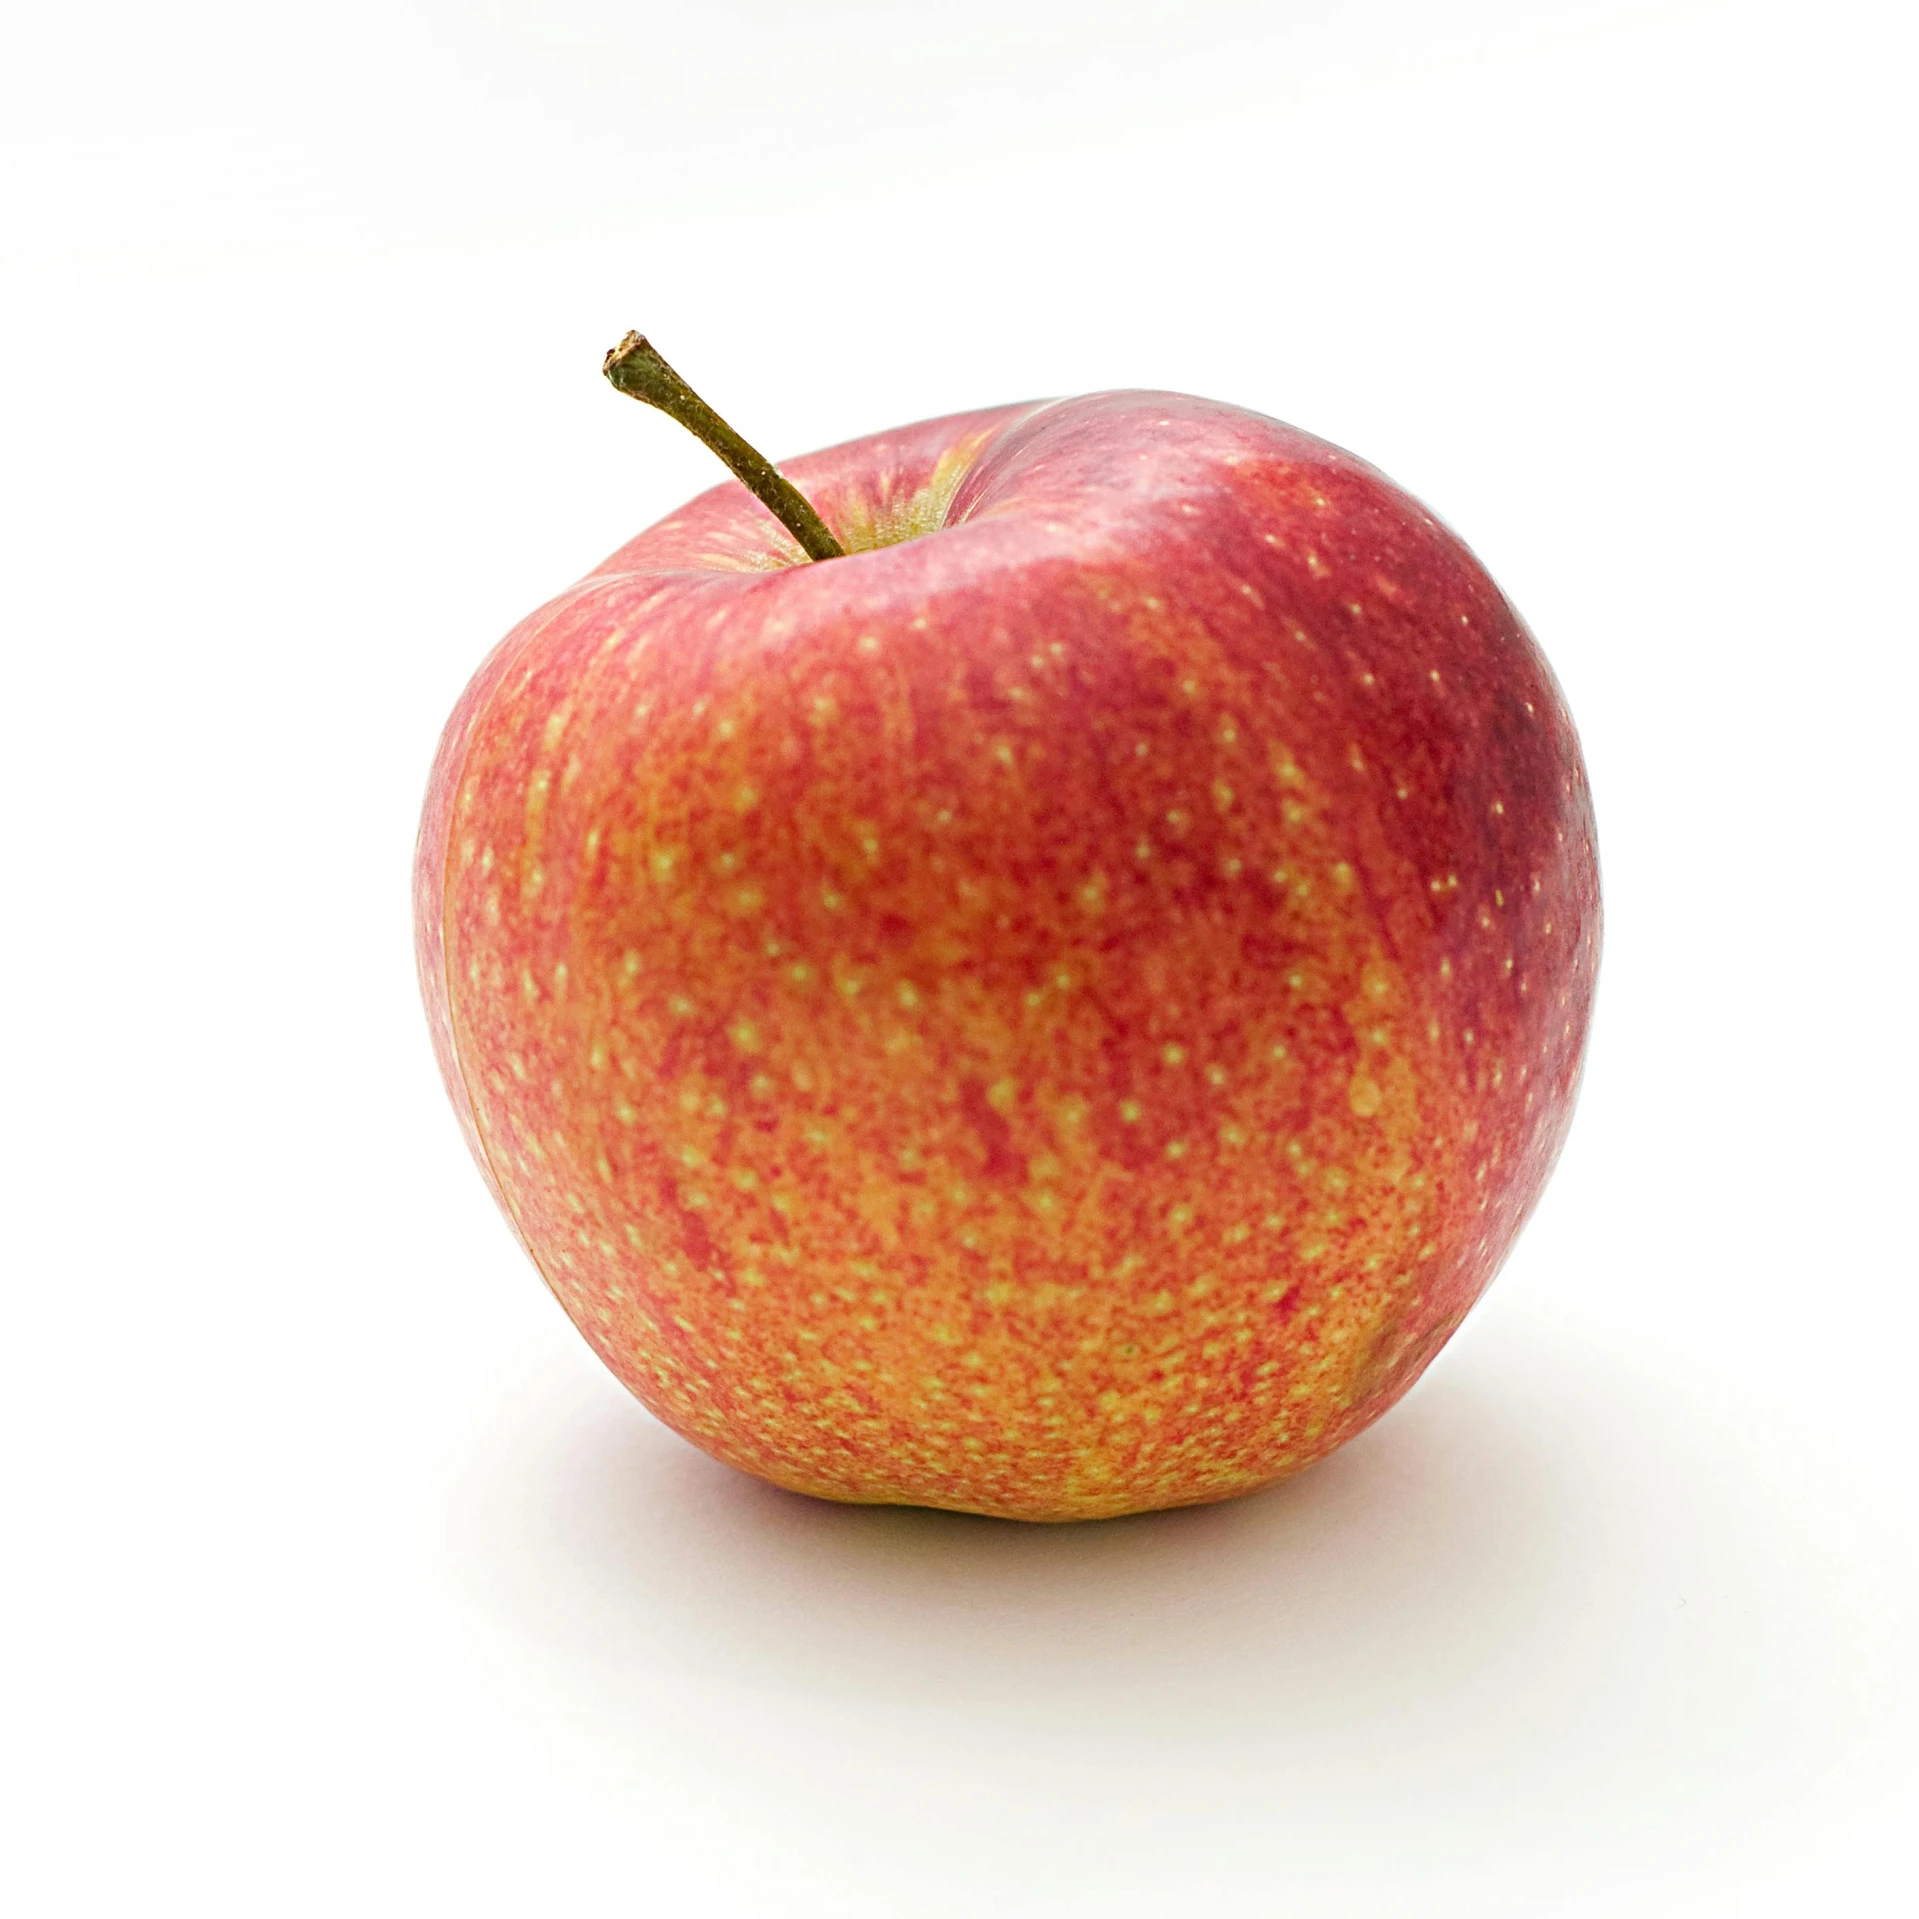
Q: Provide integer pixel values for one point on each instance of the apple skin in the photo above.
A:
(1057, 1013)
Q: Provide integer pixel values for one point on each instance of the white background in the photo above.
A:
(342, 1579)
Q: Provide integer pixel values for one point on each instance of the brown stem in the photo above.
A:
(636, 368)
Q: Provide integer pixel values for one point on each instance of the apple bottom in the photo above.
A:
(889, 1270)
(1168, 1461)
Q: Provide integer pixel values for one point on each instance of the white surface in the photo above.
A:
(343, 1580)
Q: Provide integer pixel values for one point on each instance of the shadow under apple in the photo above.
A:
(1431, 1555)
(1539, 1593)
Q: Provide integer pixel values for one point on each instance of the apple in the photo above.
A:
(1055, 1012)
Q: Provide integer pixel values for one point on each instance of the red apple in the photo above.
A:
(1056, 1013)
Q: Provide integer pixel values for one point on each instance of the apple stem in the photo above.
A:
(636, 368)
